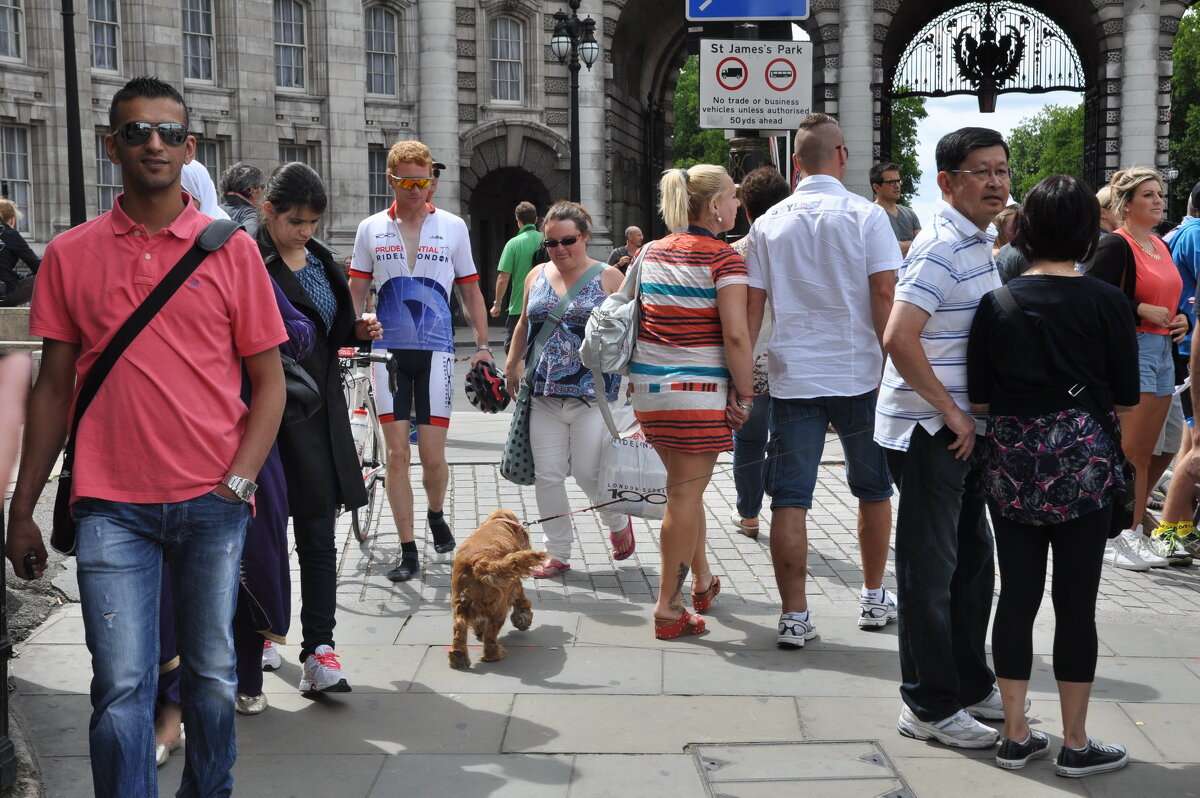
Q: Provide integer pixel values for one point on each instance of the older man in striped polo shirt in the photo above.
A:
(944, 569)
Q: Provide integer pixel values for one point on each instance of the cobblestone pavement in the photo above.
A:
(1166, 597)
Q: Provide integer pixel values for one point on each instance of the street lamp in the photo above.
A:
(574, 40)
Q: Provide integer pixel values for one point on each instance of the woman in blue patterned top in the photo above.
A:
(566, 430)
(319, 459)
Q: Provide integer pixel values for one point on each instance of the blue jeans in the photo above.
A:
(121, 548)
(798, 439)
(944, 576)
(749, 463)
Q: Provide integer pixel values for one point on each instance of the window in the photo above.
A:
(14, 170)
(504, 53)
(380, 29)
(108, 178)
(197, 39)
(10, 28)
(379, 196)
(102, 31)
(294, 152)
(289, 44)
(209, 154)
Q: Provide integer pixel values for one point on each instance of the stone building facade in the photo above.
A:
(335, 82)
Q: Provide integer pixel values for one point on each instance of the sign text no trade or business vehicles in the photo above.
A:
(754, 85)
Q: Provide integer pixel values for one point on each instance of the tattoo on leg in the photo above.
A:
(676, 602)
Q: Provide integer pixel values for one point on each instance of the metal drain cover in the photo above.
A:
(831, 769)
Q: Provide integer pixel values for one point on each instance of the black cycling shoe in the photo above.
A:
(405, 570)
(443, 538)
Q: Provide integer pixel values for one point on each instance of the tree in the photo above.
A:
(1185, 111)
(906, 113)
(1049, 143)
(693, 145)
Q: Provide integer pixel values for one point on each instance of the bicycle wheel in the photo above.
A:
(363, 519)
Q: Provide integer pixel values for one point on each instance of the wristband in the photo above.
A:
(749, 396)
(484, 348)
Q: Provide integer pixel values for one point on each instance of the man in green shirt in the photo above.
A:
(515, 262)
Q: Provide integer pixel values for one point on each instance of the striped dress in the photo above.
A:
(678, 374)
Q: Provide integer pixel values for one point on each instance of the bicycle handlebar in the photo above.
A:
(360, 357)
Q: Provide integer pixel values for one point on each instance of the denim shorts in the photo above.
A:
(1156, 365)
(798, 429)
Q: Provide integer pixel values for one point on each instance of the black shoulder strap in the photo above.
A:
(1079, 392)
(212, 238)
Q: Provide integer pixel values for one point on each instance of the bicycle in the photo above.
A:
(358, 384)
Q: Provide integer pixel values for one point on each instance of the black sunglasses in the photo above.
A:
(172, 134)
(566, 242)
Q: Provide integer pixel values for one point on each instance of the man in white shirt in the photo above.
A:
(944, 569)
(827, 259)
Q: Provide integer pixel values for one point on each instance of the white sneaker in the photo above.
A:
(992, 707)
(271, 660)
(1118, 554)
(323, 673)
(1139, 544)
(875, 616)
(959, 730)
(251, 704)
(793, 631)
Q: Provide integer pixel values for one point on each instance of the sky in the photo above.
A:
(950, 113)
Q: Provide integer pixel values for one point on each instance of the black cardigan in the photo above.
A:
(318, 454)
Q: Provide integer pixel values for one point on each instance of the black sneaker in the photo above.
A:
(1096, 758)
(1014, 755)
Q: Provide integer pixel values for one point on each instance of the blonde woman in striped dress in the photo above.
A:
(691, 373)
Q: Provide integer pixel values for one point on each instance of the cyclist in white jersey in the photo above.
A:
(414, 254)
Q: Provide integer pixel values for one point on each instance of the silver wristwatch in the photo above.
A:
(243, 487)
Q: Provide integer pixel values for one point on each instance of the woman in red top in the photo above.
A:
(1139, 263)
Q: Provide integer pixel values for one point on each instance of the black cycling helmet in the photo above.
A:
(485, 387)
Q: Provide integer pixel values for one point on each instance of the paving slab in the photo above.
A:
(350, 723)
(510, 776)
(371, 669)
(434, 628)
(980, 778)
(1129, 640)
(809, 671)
(644, 724)
(45, 668)
(1172, 779)
(634, 776)
(1172, 731)
(856, 717)
(541, 670)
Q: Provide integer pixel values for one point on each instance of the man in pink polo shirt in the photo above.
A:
(166, 454)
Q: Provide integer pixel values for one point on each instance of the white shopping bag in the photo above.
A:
(631, 471)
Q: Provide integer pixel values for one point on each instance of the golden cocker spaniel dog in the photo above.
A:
(487, 581)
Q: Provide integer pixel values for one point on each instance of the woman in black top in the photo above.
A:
(14, 289)
(319, 460)
(1051, 469)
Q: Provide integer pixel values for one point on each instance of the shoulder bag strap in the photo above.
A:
(555, 317)
(212, 238)
(1084, 398)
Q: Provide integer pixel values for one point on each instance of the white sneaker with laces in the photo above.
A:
(271, 660)
(323, 673)
(1118, 554)
(793, 632)
(876, 616)
(1139, 544)
(992, 707)
(960, 730)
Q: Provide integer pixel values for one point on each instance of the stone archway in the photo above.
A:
(1125, 53)
(492, 202)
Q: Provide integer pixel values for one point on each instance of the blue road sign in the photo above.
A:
(745, 10)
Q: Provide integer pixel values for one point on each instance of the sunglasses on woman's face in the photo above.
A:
(551, 243)
(173, 134)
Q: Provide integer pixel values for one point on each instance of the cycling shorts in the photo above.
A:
(424, 382)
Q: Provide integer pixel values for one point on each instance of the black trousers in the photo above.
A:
(1078, 547)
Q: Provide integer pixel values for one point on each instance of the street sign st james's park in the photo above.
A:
(745, 10)
(754, 85)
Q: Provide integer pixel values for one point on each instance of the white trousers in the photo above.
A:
(567, 436)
